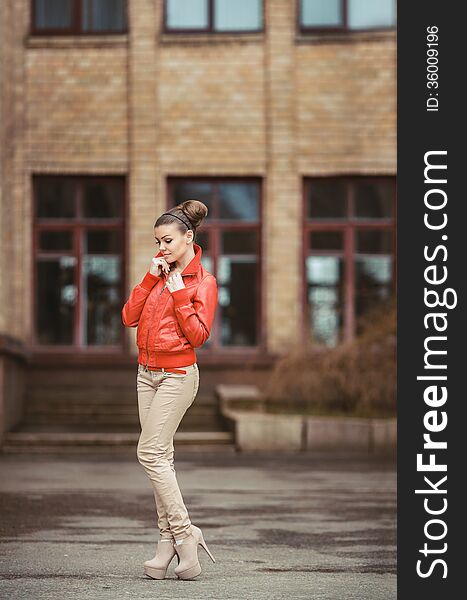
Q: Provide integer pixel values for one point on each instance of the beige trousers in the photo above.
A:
(163, 399)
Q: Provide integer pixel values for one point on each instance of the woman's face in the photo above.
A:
(171, 242)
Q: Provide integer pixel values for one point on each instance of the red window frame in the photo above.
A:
(75, 28)
(348, 225)
(212, 226)
(344, 27)
(75, 225)
(210, 26)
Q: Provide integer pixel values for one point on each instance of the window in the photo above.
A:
(337, 15)
(213, 15)
(79, 16)
(78, 249)
(349, 252)
(230, 238)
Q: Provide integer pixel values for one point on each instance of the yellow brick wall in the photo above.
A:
(152, 105)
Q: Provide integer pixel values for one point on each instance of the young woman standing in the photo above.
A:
(173, 308)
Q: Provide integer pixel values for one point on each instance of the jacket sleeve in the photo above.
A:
(196, 318)
(131, 311)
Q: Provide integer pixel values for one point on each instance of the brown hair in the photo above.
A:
(191, 213)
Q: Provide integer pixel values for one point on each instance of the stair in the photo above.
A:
(117, 408)
(96, 409)
(105, 441)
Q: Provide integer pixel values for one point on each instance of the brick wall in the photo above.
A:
(151, 105)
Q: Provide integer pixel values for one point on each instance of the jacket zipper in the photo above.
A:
(150, 323)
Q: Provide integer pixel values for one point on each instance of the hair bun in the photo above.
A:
(195, 211)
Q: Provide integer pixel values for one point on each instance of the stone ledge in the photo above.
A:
(254, 429)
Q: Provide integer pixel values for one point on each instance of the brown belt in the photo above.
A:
(169, 370)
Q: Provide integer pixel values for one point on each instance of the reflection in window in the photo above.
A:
(230, 239)
(187, 14)
(103, 15)
(56, 296)
(54, 14)
(241, 14)
(322, 13)
(325, 297)
(186, 190)
(97, 16)
(102, 275)
(238, 201)
(367, 14)
(98, 236)
(349, 252)
(373, 275)
(214, 15)
(351, 14)
(237, 281)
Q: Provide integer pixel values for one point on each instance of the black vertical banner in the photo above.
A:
(432, 260)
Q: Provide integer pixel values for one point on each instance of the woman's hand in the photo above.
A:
(175, 282)
(157, 264)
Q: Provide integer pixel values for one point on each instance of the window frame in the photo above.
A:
(213, 228)
(77, 349)
(75, 29)
(343, 28)
(210, 26)
(348, 226)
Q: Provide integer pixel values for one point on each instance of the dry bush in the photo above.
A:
(357, 377)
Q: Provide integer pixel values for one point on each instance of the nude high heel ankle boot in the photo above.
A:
(156, 568)
(187, 549)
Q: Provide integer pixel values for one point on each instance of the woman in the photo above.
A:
(173, 308)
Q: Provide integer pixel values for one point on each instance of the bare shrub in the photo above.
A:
(357, 377)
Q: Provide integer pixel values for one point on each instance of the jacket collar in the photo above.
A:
(193, 266)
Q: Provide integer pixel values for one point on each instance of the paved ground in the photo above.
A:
(297, 526)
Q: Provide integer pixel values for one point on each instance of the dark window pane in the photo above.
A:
(55, 199)
(237, 285)
(325, 279)
(327, 200)
(103, 199)
(327, 240)
(103, 15)
(53, 14)
(55, 240)
(374, 200)
(192, 190)
(56, 297)
(241, 14)
(239, 201)
(103, 242)
(373, 282)
(102, 276)
(321, 13)
(202, 239)
(372, 241)
(239, 242)
(365, 14)
(187, 14)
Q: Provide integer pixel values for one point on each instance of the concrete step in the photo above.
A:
(55, 407)
(53, 441)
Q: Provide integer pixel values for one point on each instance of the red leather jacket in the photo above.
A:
(172, 324)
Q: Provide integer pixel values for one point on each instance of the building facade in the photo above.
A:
(280, 115)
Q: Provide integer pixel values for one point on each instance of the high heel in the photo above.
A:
(156, 568)
(187, 549)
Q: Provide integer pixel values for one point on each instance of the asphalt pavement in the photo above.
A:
(281, 526)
